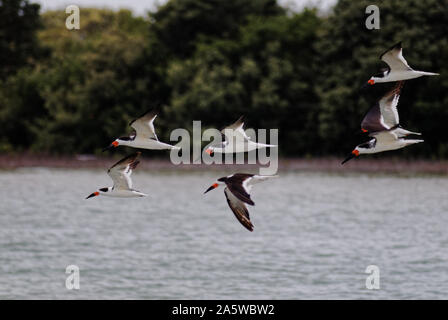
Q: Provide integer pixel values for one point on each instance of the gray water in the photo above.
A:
(314, 236)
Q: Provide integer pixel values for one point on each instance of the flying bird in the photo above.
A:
(235, 140)
(237, 190)
(382, 124)
(398, 68)
(121, 176)
(144, 136)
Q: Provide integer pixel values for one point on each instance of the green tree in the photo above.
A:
(179, 24)
(19, 23)
(178, 29)
(91, 85)
(266, 73)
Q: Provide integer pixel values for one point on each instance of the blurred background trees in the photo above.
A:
(71, 92)
(19, 23)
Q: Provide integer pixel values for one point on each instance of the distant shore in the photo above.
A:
(365, 164)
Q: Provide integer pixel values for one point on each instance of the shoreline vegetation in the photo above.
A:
(328, 164)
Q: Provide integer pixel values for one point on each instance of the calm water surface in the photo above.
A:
(314, 236)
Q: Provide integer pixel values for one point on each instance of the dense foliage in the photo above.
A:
(73, 91)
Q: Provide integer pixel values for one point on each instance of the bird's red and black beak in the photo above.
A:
(111, 146)
(371, 82)
(96, 193)
(353, 154)
(213, 186)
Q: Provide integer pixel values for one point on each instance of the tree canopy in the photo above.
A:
(19, 22)
(214, 60)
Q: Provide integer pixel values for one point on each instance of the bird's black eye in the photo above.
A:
(104, 189)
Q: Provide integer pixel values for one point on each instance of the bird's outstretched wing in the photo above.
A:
(238, 124)
(239, 209)
(122, 170)
(388, 105)
(384, 114)
(236, 131)
(373, 121)
(238, 185)
(144, 125)
(394, 58)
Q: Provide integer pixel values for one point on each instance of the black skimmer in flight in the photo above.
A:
(235, 140)
(382, 124)
(121, 176)
(144, 136)
(398, 68)
(237, 192)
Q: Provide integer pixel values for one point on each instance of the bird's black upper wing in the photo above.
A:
(236, 185)
(239, 209)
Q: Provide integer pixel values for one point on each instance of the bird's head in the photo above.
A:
(210, 151)
(213, 186)
(370, 82)
(217, 146)
(94, 194)
(355, 153)
(97, 193)
(114, 144)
